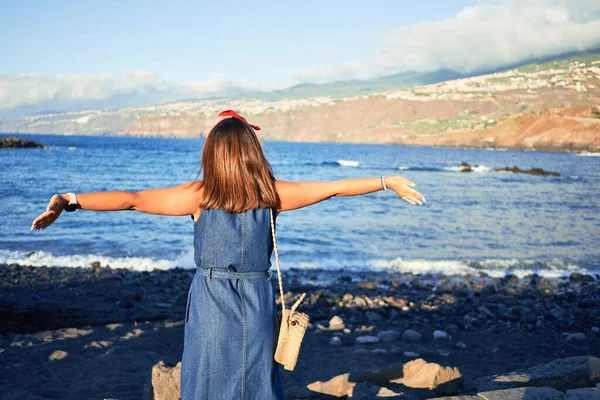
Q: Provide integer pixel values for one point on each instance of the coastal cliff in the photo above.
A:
(552, 106)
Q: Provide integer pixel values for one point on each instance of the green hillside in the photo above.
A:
(349, 88)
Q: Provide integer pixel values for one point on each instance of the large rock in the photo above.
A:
(416, 377)
(164, 384)
(525, 393)
(583, 394)
(338, 386)
(531, 171)
(18, 143)
(561, 374)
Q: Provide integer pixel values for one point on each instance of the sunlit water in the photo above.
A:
(486, 220)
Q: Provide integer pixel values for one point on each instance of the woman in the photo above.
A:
(231, 318)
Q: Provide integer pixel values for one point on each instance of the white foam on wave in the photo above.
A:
(481, 168)
(42, 258)
(475, 168)
(496, 268)
(72, 147)
(348, 163)
(588, 154)
(403, 167)
(453, 169)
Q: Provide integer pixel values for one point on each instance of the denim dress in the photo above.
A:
(231, 322)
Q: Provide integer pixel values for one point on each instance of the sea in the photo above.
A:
(484, 221)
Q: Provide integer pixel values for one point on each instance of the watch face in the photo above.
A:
(70, 207)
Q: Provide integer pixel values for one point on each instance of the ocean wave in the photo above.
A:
(42, 258)
(348, 163)
(496, 268)
(588, 154)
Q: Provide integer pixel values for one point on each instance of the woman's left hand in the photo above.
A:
(403, 188)
(55, 208)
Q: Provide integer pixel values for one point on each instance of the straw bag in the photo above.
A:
(292, 323)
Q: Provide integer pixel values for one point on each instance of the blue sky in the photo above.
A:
(186, 40)
(69, 55)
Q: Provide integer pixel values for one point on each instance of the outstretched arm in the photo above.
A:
(294, 195)
(176, 200)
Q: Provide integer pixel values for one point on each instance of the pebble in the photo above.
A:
(388, 336)
(440, 335)
(460, 345)
(373, 316)
(360, 302)
(595, 329)
(379, 351)
(412, 354)
(335, 341)
(336, 323)
(410, 335)
(347, 331)
(368, 339)
(361, 351)
(576, 336)
(58, 355)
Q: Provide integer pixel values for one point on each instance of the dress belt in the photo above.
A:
(220, 273)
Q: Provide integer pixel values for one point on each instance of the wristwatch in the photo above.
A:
(73, 204)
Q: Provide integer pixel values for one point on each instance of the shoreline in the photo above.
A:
(96, 331)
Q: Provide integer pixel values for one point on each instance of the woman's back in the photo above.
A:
(239, 242)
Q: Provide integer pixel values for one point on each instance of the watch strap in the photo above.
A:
(73, 204)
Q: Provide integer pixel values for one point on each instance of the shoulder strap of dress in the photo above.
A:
(277, 259)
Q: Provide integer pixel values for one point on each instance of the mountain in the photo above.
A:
(549, 105)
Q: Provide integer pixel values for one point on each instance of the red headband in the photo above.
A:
(233, 114)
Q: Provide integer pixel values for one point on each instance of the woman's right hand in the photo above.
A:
(55, 208)
(403, 188)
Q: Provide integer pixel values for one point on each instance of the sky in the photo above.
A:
(60, 55)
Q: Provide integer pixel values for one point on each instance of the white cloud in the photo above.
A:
(27, 90)
(483, 36)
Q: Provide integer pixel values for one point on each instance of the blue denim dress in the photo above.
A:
(231, 322)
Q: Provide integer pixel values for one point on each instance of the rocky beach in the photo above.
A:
(97, 332)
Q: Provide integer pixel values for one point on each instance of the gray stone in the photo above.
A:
(583, 394)
(361, 352)
(576, 336)
(440, 335)
(367, 339)
(412, 354)
(410, 335)
(335, 341)
(373, 316)
(388, 336)
(379, 351)
(562, 374)
(523, 393)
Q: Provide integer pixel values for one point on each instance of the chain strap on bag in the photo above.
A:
(293, 323)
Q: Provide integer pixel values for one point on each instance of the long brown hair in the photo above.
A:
(236, 174)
